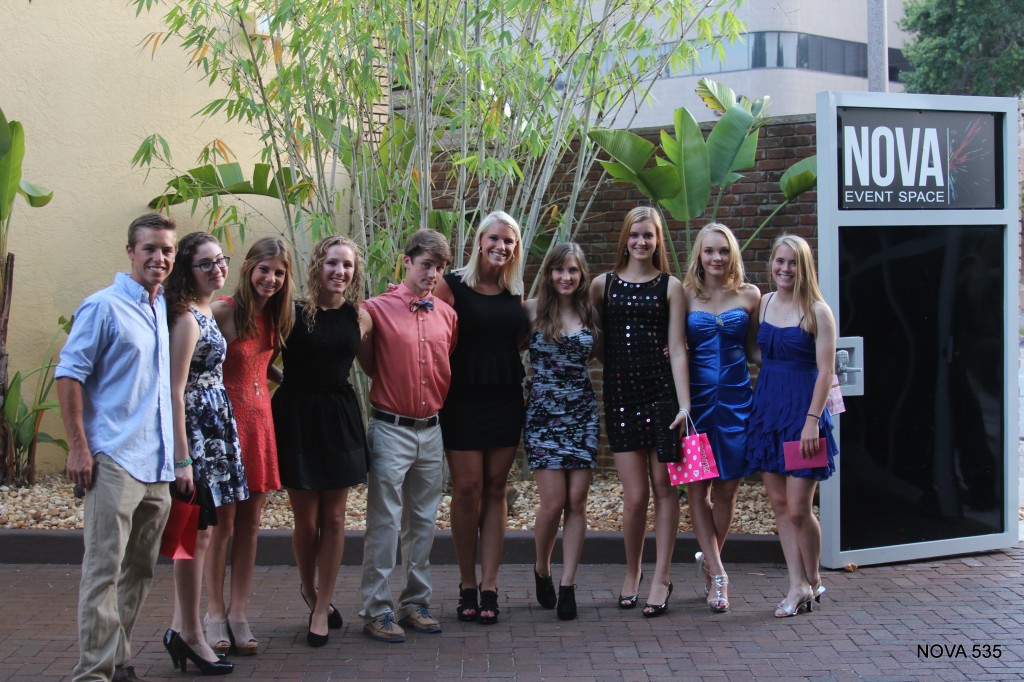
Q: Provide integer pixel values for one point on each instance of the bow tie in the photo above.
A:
(417, 303)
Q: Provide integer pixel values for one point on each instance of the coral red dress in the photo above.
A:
(245, 377)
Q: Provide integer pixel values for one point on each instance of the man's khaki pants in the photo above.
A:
(124, 520)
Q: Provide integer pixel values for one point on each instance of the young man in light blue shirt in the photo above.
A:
(113, 382)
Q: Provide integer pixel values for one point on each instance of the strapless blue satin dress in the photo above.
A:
(720, 394)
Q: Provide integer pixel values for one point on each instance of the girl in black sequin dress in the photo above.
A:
(561, 418)
(643, 311)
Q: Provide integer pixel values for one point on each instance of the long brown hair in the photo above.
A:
(549, 322)
(805, 290)
(638, 214)
(278, 308)
(736, 277)
(314, 287)
(180, 285)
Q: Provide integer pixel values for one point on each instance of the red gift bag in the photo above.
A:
(697, 462)
(179, 538)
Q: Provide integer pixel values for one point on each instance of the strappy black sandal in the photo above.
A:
(488, 602)
(467, 609)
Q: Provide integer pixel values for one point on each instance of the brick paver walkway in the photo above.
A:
(870, 626)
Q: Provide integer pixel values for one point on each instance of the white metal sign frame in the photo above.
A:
(830, 218)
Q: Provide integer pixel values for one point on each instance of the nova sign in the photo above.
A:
(912, 159)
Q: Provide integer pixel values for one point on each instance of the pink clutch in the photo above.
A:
(795, 460)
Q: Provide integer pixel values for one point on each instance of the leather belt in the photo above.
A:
(399, 420)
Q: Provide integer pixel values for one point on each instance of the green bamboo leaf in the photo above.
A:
(632, 151)
(800, 177)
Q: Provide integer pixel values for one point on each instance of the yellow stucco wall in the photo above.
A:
(74, 76)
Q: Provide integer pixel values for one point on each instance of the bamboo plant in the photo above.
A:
(392, 115)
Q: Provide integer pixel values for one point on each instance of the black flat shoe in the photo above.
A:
(334, 620)
(169, 636)
(314, 639)
(546, 596)
(655, 610)
(566, 602)
(467, 609)
(185, 654)
(630, 601)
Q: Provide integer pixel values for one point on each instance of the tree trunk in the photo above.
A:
(7, 464)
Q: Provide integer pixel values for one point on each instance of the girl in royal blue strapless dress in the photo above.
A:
(797, 338)
(720, 306)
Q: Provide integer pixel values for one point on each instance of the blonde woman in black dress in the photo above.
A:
(482, 417)
(643, 311)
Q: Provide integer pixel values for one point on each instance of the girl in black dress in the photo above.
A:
(482, 418)
(321, 441)
(643, 311)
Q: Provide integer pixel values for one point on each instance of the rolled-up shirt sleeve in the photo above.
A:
(85, 343)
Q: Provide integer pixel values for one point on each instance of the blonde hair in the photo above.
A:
(510, 277)
(736, 276)
(805, 290)
(278, 308)
(549, 322)
(639, 214)
(314, 287)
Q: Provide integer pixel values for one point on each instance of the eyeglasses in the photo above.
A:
(208, 266)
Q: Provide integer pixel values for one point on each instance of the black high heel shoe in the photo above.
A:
(185, 654)
(169, 636)
(546, 596)
(566, 602)
(654, 610)
(314, 639)
(489, 603)
(631, 601)
(334, 620)
(467, 608)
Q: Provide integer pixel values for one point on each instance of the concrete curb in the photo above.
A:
(65, 547)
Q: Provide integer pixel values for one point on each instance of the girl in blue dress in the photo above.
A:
(797, 340)
(561, 418)
(720, 306)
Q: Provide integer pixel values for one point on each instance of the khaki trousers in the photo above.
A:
(124, 520)
(403, 491)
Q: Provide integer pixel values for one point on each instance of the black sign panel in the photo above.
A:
(908, 159)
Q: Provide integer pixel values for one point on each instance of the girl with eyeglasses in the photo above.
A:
(205, 434)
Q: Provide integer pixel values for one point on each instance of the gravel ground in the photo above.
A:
(50, 504)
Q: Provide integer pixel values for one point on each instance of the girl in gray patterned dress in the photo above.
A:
(207, 457)
(561, 418)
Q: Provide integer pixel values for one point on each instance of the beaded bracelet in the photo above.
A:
(183, 463)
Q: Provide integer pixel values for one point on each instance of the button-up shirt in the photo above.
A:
(118, 350)
(411, 346)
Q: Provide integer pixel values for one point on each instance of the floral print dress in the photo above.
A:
(209, 421)
(561, 413)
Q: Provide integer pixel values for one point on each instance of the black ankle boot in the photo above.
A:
(566, 609)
